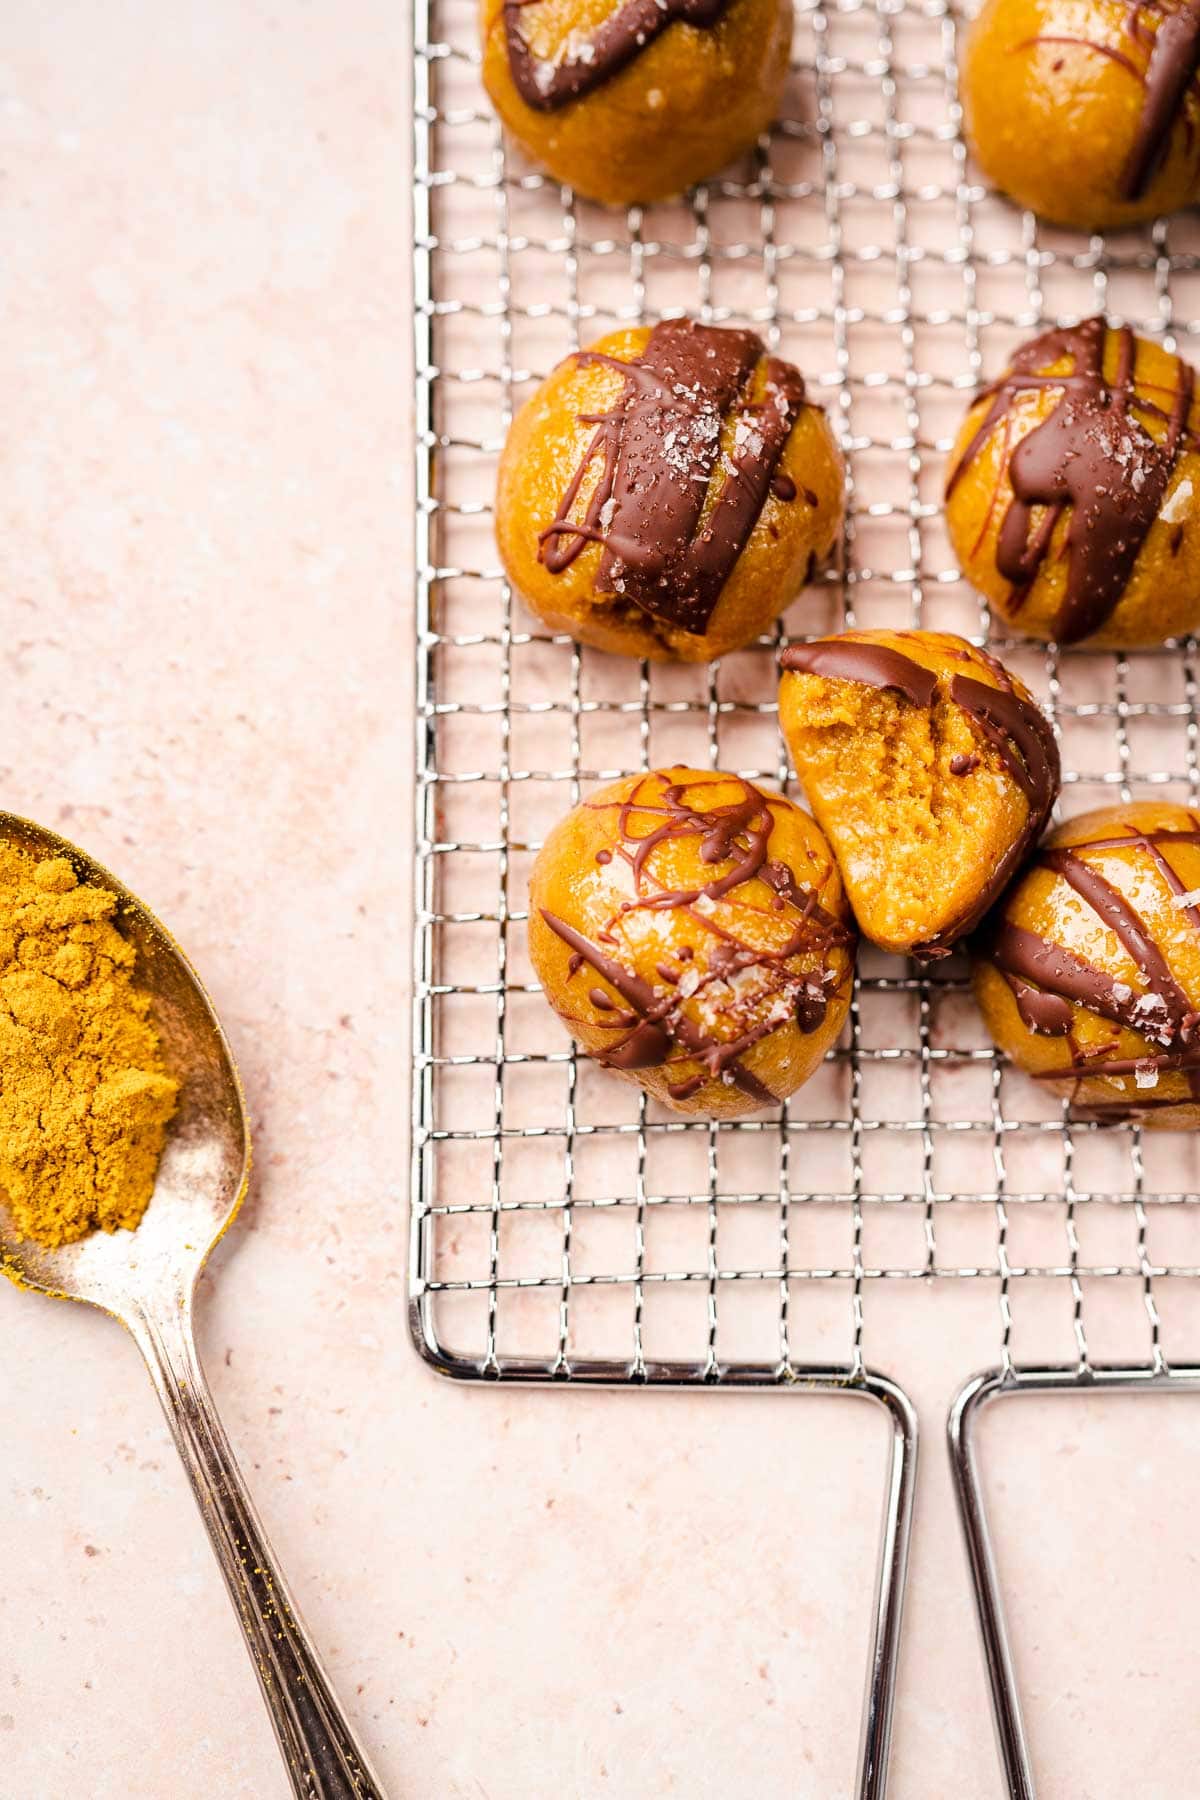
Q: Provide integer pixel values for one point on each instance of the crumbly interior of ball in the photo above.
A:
(916, 807)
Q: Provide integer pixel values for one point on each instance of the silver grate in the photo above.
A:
(566, 1215)
(563, 1227)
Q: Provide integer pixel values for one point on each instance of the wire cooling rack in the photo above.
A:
(565, 1229)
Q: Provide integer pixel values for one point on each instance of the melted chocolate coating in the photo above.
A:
(873, 665)
(1020, 734)
(1049, 982)
(1041, 1012)
(1093, 455)
(656, 1024)
(1024, 739)
(659, 448)
(1017, 730)
(613, 45)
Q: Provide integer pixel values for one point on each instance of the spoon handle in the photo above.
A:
(323, 1761)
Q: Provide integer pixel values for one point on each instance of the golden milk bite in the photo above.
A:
(1088, 974)
(1073, 492)
(634, 100)
(1087, 111)
(84, 1096)
(929, 767)
(667, 492)
(690, 930)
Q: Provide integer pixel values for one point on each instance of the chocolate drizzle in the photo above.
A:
(613, 45)
(1171, 70)
(1049, 982)
(1055, 981)
(1093, 455)
(667, 549)
(1015, 728)
(659, 1024)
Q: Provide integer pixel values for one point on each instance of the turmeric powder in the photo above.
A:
(84, 1096)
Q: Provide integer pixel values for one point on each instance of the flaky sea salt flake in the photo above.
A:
(1179, 505)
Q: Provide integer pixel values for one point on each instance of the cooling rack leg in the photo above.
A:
(891, 1579)
(1006, 1703)
(1157, 1378)
(879, 1704)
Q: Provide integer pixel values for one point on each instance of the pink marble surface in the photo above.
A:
(207, 632)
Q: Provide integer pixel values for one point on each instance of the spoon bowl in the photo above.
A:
(146, 1279)
(205, 1166)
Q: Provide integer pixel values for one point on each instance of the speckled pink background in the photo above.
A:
(207, 644)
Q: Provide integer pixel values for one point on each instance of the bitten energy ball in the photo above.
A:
(690, 930)
(1087, 111)
(632, 100)
(1073, 497)
(930, 769)
(1089, 974)
(667, 493)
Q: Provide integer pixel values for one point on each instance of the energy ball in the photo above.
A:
(634, 100)
(690, 930)
(1087, 111)
(667, 492)
(929, 767)
(1073, 498)
(1088, 975)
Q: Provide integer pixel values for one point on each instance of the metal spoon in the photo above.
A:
(146, 1279)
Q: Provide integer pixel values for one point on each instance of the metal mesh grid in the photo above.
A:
(563, 1224)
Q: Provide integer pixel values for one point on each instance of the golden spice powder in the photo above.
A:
(84, 1096)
